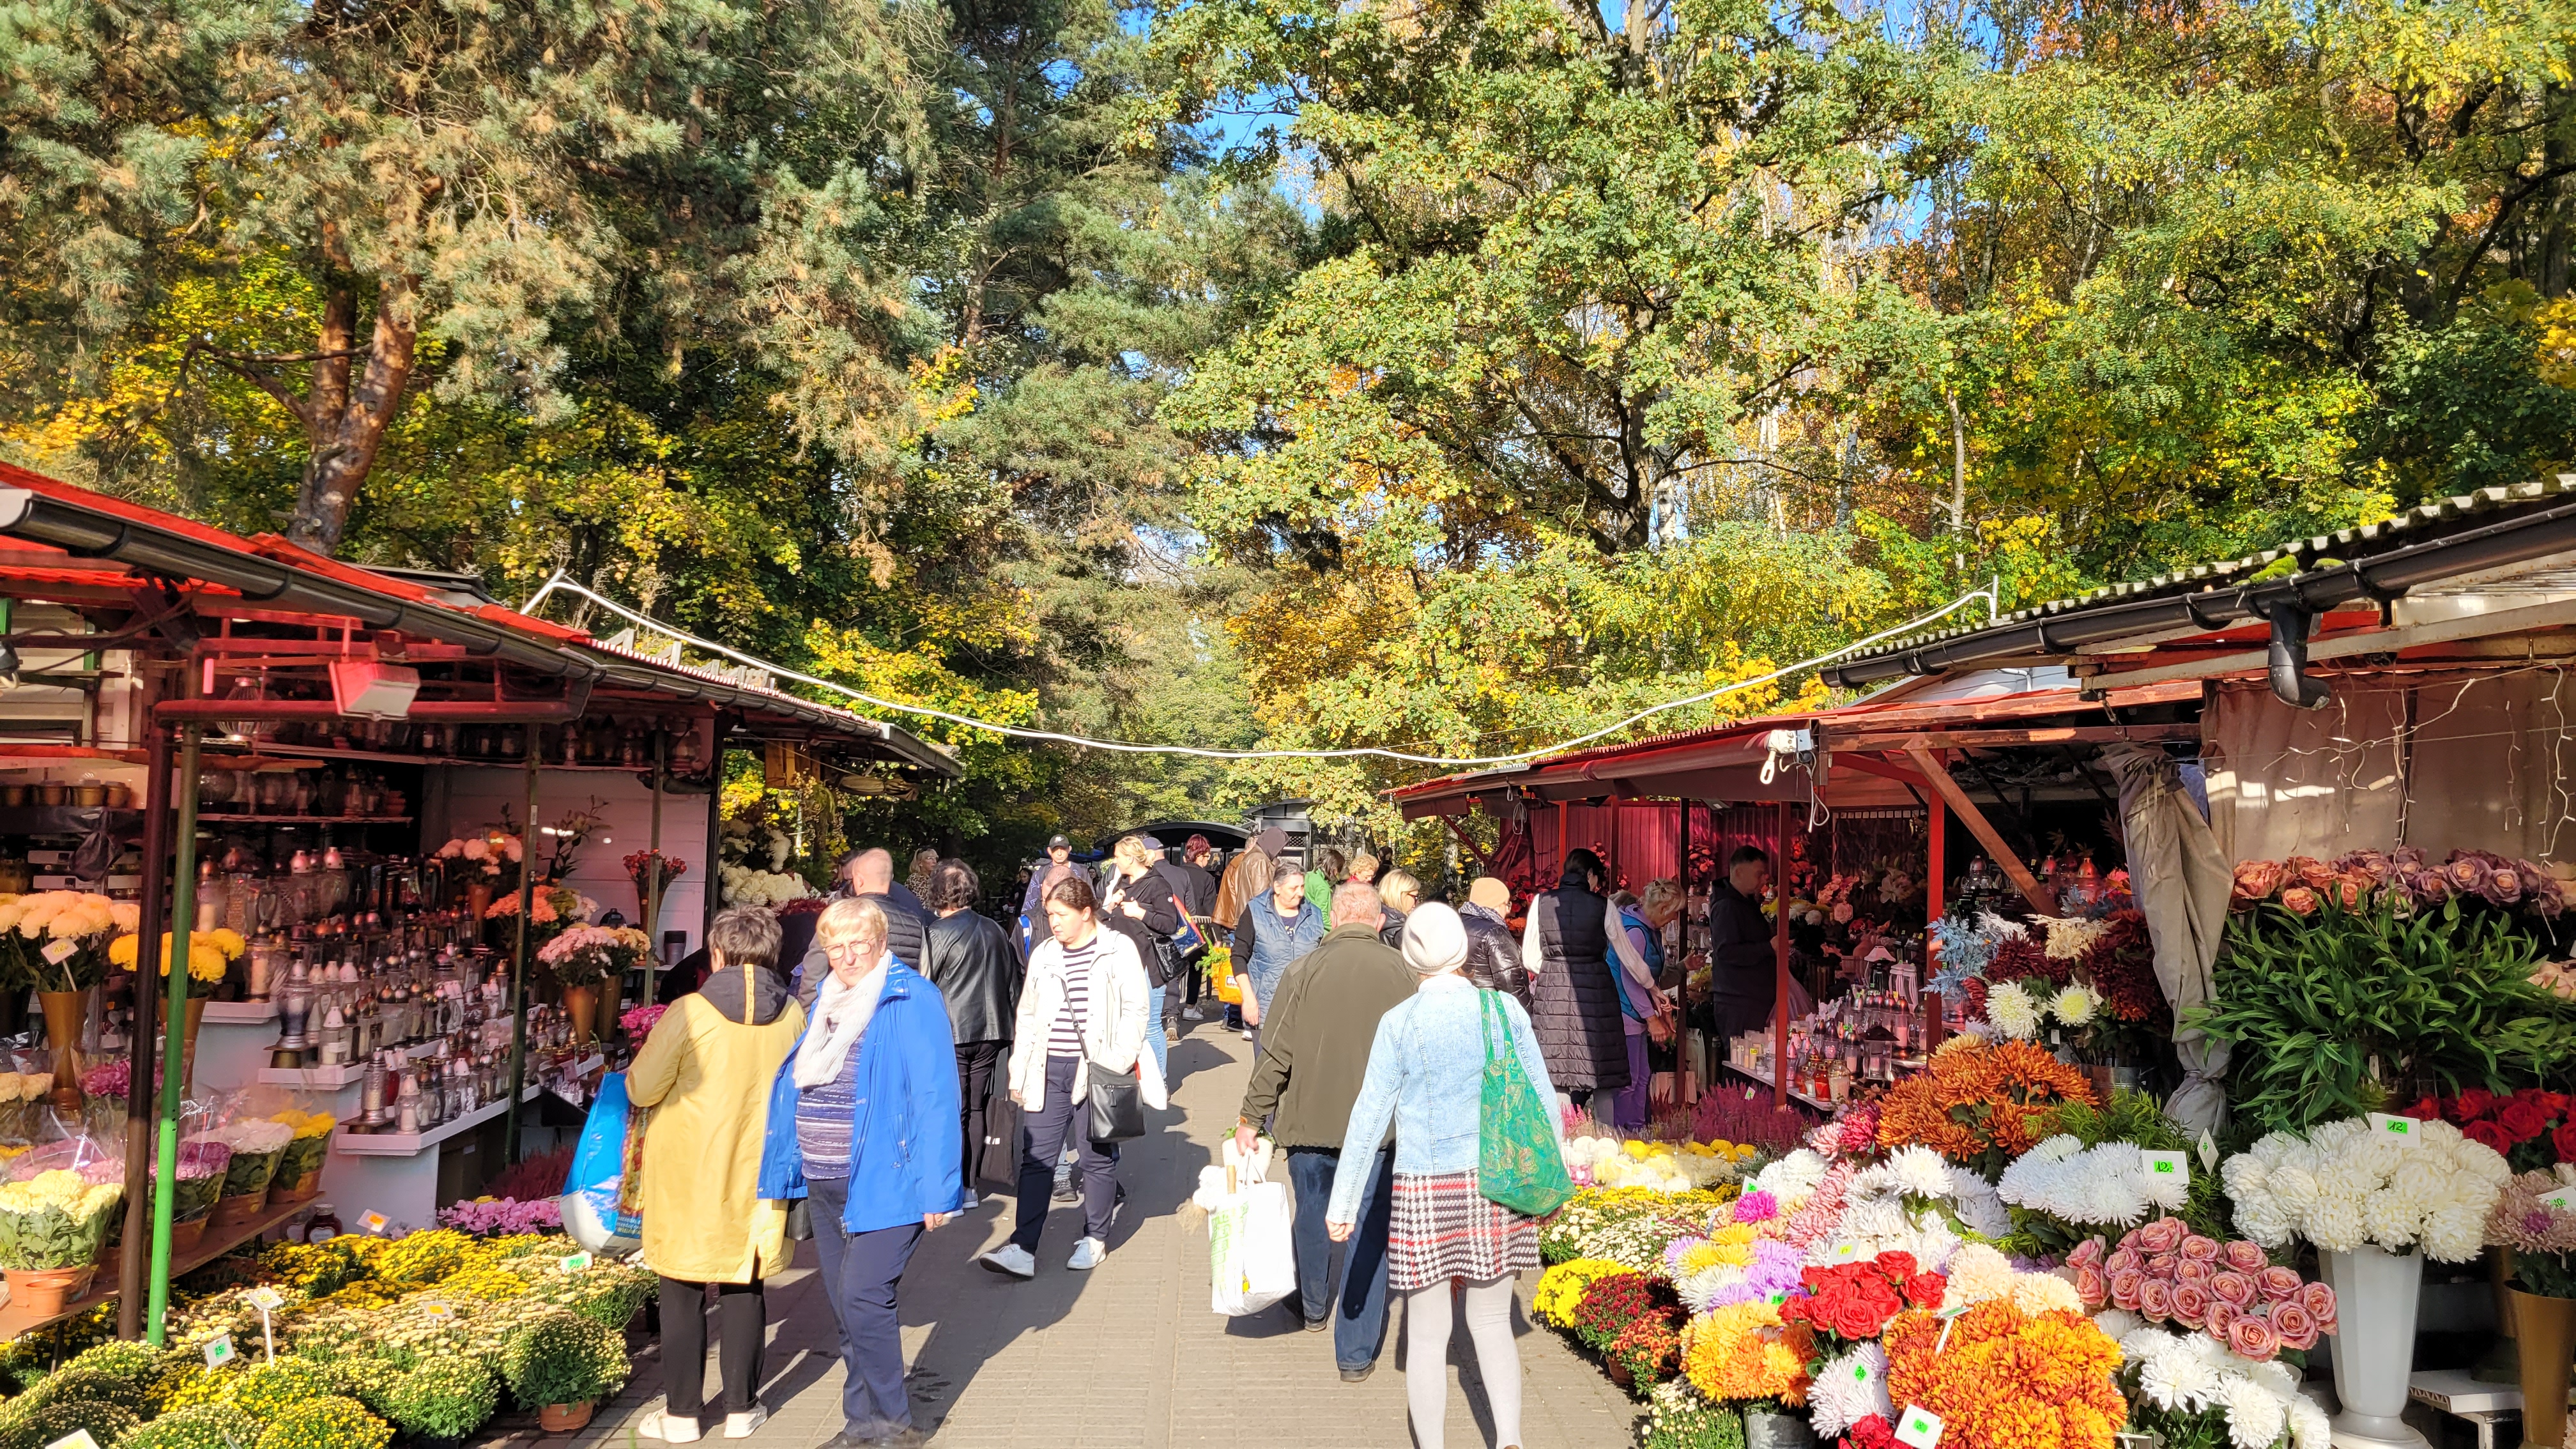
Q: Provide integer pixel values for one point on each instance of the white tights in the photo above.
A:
(1426, 1358)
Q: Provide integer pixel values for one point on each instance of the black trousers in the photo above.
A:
(975, 1063)
(1044, 1134)
(744, 1323)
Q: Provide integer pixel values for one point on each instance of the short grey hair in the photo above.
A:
(1357, 904)
(1283, 873)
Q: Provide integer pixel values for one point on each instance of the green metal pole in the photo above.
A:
(653, 878)
(519, 966)
(174, 1030)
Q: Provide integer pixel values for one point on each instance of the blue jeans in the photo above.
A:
(859, 1272)
(1154, 1031)
(1361, 1323)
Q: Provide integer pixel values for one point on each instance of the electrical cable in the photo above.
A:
(558, 581)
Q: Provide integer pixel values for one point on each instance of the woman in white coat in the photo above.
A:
(1084, 1005)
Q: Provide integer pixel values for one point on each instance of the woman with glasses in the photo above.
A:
(868, 1104)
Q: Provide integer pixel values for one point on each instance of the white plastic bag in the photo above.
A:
(1252, 1258)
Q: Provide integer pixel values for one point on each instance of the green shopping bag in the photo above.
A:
(1518, 1163)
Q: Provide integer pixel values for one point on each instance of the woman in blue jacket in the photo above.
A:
(863, 1119)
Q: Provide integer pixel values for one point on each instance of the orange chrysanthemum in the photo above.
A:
(2009, 1381)
(1742, 1351)
(1980, 1102)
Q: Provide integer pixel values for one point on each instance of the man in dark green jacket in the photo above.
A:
(1314, 1050)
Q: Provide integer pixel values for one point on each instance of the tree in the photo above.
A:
(485, 186)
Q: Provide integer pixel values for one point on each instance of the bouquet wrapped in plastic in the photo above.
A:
(257, 1145)
(55, 1219)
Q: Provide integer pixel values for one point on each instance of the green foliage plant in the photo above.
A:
(333, 1421)
(442, 1399)
(564, 1358)
(2334, 1013)
(206, 1426)
(78, 1385)
(107, 1423)
(1678, 1416)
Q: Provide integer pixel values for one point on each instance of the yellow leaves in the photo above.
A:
(2556, 350)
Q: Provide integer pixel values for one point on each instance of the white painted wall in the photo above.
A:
(468, 797)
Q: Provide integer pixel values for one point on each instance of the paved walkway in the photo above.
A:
(1128, 1356)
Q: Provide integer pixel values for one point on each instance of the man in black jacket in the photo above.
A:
(978, 974)
(907, 925)
(1743, 962)
(1195, 890)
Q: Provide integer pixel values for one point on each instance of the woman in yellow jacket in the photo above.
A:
(705, 1073)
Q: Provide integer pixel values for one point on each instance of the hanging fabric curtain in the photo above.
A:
(2181, 880)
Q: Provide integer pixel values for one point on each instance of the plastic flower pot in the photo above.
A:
(48, 1291)
(2374, 1351)
(563, 1418)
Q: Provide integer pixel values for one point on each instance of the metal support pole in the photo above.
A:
(1689, 1090)
(653, 869)
(1935, 890)
(715, 827)
(1780, 962)
(138, 1084)
(519, 967)
(174, 1031)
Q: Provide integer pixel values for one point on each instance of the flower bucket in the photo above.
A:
(65, 1014)
(581, 1003)
(48, 1291)
(563, 1418)
(188, 1039)
(2546, 1330)
(1777, 1431)
(2374, 1352)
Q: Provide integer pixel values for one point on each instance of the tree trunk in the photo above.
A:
(344, 425)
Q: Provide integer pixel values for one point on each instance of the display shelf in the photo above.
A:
(1754, 1074)
(211, 818)
(388, 757)
(240, 1013)
(412, 1144)
(332, 1077)
(15, 1321)
(62, 819)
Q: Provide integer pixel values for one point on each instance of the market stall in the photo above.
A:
(2338, 1206)
(423, 845)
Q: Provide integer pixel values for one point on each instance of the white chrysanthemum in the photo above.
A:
(2291, 1186)
(2393, 1217)
(2271, 1373)
(2011, 1012)
(2480, 1163)
(2255, 1415)
(2271, 1148)
(2169, 1191)
(2117, 1324)
(2335, 1224)
(1792, 1179)
(2170, 1375)
(1849, 1389)
(2075, 1006)
(1977, 1273)
(1920, 1172)
(2263, 1222)
(2309, 1426)
(2037, 1293)
(2456, 1231)
(1980, 1210)
(2245, 1176)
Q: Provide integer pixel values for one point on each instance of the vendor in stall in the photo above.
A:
(1742, 964)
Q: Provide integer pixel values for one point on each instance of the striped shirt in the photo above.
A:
(1064, 1034)
(825, 1116)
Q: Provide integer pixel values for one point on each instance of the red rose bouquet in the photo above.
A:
(2535, 1130)
(1854, 1302)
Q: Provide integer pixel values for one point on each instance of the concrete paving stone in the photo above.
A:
(1127, 1356)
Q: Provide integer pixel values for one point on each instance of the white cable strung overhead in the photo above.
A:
(558, 581)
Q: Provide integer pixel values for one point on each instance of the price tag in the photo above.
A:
(2162, 1165)
(58, 952)
(266, 1300)
(2386, 1125)
(76, 1439)
(2208, 1153)
(372, 1221)
(219, 1350)
(437, 1310)
(575, 1262)
(2564, 1199)
(1918, 1428)
(1860, 1372)
(1843, 1253)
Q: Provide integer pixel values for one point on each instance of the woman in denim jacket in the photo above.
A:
(1426, 1070)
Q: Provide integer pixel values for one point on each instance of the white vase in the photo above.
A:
(2374, 1350)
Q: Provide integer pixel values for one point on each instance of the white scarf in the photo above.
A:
(841, 1016)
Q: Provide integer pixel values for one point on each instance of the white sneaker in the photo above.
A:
(969, 1205)
(1087, 1254)
(1247, 1035)
(743, 1426)
(1014, 1260)
(668, 1428)
(1192, 1013)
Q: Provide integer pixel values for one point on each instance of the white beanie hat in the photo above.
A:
(1435, 940)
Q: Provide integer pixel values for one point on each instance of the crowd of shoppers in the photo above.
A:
(918, 1044)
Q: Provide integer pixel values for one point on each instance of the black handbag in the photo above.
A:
(997, 1157)
(800, 1220)
(1117, 1106)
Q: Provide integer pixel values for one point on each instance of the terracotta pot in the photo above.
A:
(240, 1210)
(581, 1003)
(302, 1189)
(184, 1237)
(563, 1418)
(48, 1292)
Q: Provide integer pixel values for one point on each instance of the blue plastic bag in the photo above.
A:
(598, 1212)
